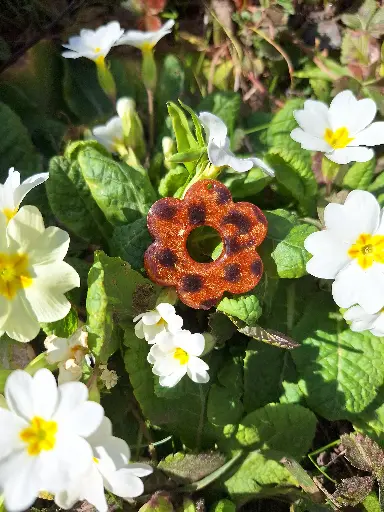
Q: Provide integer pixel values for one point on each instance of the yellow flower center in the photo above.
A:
(161, 321)
(39, 436)
(14, 274)
(339, 138)
(181, 356)
(97, 49)
(10, 213)
(95, 460)
(367, 249)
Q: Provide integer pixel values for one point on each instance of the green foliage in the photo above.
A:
(244, 307)
(62, 328)
(171, 83)
(189, 467)
(360, 175)
(130, 242)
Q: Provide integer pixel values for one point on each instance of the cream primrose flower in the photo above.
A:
(13, 191)
(94, 44)
(350, 250)
(109, 377)
(33, 275)
(342, 130)
(162, 318)
(363, 321)
(42, 445)
(110, 470)
(111, 134)
(145, 41)
(219, 152)
(68, 354)
(175, 355)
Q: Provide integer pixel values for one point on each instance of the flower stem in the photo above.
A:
(151, 114)
(106, 80)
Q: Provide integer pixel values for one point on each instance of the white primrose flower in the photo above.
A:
(342, 130)
(42, 445)
(152, 323)
(110, 470)
(68, 353)
(94, 44)
(33, 275)
(350, 250)
(363, 321)
(13, 191)
(145, 40)
(109, 377)
(175, 355)
(219, 152)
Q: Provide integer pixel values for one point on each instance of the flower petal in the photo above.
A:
(371, 136)
(139, 469)
(113, 453)
(19, 394)
(197, 370)
(26, 226)
(330, 255)
(10, 426)
(313, 119)
(125, 484)
(25, 330)
(309, 141)
(222, 156)
(71, 395)
(351, 154)
(84, 419)
(346, 111)
(169, 381)
(361, 320)
(359, 214)
(214, 127)
(51, 246)
(257, 162)
(28, 185)
(44, 392)
(192, 343)
(353, 285)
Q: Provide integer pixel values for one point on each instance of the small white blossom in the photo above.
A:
(350, 250)
(342, 130)
(363, 321)
(43, 431)
(219, 152)
(93, 44)
(33, 275)
(13, 192)
(152, 323)
(68, 354)
(176, 355)
(110, 470)
(109, 377)
(146, 40)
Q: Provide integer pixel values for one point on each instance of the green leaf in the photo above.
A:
(180, 416)
(362, 18)
(184, 138)
(225, 105)
(246, 184)
(257, 476)
(285, 428)
(173, 181)
(190, 467)
(82, 91)
(62, 328)
(266, 369)
(244, 307)
(290, 255)
(116, 294)
(223, 506)
(273, 338)
(122, 192)
(16, 148)
(222, 329)
(170, 84)
(130, 242)
(196, 123)
(342, 369)
(357, 48)
(293, 171)
(278, 134)
(360, 175)
(72, 203)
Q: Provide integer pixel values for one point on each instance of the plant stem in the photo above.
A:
(319, 450)
(291, 295)
(151, 114)
(257, 128)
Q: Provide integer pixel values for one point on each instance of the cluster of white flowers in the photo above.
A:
(53, 439)
(96, 44)
(341, 131)
(33, 275)
(175, 351)
(350, 250)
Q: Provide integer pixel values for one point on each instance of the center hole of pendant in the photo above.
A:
(204, 244)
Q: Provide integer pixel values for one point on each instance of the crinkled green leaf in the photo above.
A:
(116, 294)
(223, 506)
(290, 255)
(244, 307)
(352, 491)
(173, 181)
(342, 369)
(190, 467)
(130, 242)
(16, 148)
(266, 369)
(278, 134)
(63, 328)
(72, 203)
(123, 193)
(360, 19)
(360, 175)
(255, 476)
(246, 184)
(285, 428)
